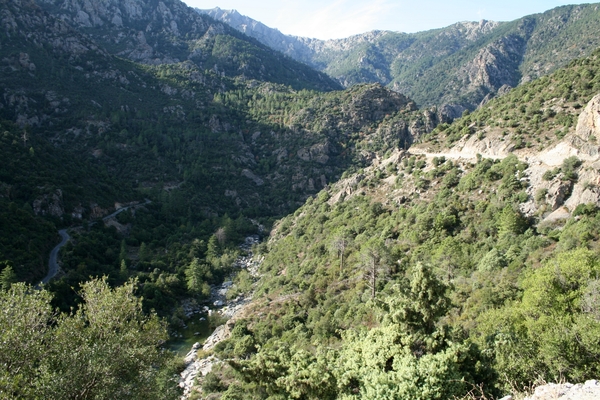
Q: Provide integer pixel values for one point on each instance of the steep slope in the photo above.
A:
(117, 107)
(52, 80)
(484, 236)
(94, 131)
(544, 123)
(416, 270)
(298, 48)
(454, 68)
(167, 32)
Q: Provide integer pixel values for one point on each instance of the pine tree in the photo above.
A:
(197, 274)
(144, 253)
(7, 278)
(339, 244)
(123, 253)
(374, 263)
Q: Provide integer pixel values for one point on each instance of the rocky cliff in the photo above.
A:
(567, 391)
(168, 32)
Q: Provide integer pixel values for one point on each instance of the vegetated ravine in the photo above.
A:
(447, 251)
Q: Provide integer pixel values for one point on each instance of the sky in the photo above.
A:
(334, 19)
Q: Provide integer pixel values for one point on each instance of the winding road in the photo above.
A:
(53, 261)
(120, 210)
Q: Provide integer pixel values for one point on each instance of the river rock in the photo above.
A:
(232, 310)
(221, 333)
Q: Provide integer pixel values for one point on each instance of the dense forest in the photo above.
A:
(389, 266)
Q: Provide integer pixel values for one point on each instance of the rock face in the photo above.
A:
(587, 133)
(554, 197)
(50, 204)
(250, 175)
(375, 67)
(295, 47)
(590, 390)
(581, 144)
(154, 21)
(167, 32)
(494, 67)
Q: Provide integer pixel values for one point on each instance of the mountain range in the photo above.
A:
(428, 203)
(453, 68)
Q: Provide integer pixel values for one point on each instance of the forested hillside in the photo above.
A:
(167, 32)
(96, 130)
(401, 255)
(438, 272)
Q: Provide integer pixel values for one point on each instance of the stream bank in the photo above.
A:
(232, 310)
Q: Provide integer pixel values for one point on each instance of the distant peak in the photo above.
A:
(219, 10)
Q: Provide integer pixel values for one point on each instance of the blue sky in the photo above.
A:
(330, 19)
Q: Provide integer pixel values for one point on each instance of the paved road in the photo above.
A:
(53, 261)
(120, 210)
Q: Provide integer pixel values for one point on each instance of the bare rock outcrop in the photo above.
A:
(494, 67)
(252, 176)
(590, 390)
(166, 17)
(587, 132)
(318, 153)
(50, 204)
(553, 195)
(566, 194)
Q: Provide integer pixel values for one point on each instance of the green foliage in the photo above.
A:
(510, 222)
(569, 167)
(233, 52)
(380, 363)
(241, 343)
(548, 334)
(212, 383)
(585, 209)
(424, 305)
(359, 297)
(550, 174)
(525, 114)
(492, 261)
(408, 356)
(429, 66)
(198, 275)
(25, 241)
(7, 277)
(540, 195)
(108, 348)
(242, 284)
(25, 321)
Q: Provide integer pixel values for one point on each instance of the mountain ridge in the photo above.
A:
(458, 66)
(207, 142)
(166, 32)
